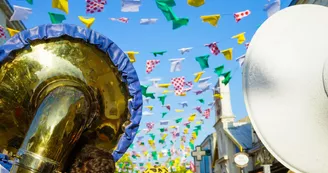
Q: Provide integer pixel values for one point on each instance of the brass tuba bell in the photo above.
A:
(59, 84)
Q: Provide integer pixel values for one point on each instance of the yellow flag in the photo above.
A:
(150, 142)
(217, 96)
(227, 53)
(183, 94)
(240, 38)
(164, 85)
(192, 118)
(150, 107)
(192, 141)
(131, 55)
(194, 135)
(164, 136)
(87, 22)
(61, 5)
(199, 122)
(166, 91)
(211, 19)
(179, 110)
(12, 32)
(148, 165)
(185, 131)
(173, 127)
(145, 153)
(160, 154)
(198, 75)
(196, 3)
(182, 146)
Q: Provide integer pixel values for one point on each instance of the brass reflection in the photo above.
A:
(53, 92)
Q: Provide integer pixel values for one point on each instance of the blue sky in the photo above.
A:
(160, 36)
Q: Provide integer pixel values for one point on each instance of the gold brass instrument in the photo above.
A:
(53, 93)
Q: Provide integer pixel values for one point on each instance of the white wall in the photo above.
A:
(3, 24)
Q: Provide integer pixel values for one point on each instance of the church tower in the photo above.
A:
(223, 106)
(223, 117)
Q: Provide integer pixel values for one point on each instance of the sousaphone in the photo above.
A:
(285, 80)
(59, 84)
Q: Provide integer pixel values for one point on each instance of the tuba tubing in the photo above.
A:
(63, 87)
(65, 112)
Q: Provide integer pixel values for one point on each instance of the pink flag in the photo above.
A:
(178, 84)
(150, 126)
(95, 5)
(239, 15)
(207, 113)
(150, 65)
(214, 48)
(2, 32)
(192, 167)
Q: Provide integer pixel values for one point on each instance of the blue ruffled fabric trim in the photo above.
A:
(118, 57)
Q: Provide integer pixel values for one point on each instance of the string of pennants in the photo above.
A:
(94, 6)
(147, 139)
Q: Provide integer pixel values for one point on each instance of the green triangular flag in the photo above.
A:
(131, 146)
(169, 153)
(154, 154)
(56, 18)
(203, 61)
(178, 120)
(166, 7)
(141, 164)
(171, 142)
(219, 70)
(30, 2)
(191, 145)
(227, 77)
(188, 126)
(198, 127)
(162, 130)
(159, 53)
(161, 141)
(152, 136)
(196, 131)
(163, 114)
(144, 89)
(180, 22)
(144, 92)
(201, 100)
(134, 156)
(162, 99)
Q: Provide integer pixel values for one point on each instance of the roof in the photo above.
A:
(244, 120)
(319, 2)
(8, 10)
(243, 135)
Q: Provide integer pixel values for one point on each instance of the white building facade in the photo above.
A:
(6, 11)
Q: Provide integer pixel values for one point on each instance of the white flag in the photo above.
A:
(148, 21)
(184, 50)
(241, 60)
(20, 13)
(176, 64)
(130, 5)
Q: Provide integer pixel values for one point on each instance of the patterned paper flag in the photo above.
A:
(239, 15)
(207, 113)
(93, 6)
(121, 19)
(2, 32)
(213, 47)
(178, 84)
(150, 65)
